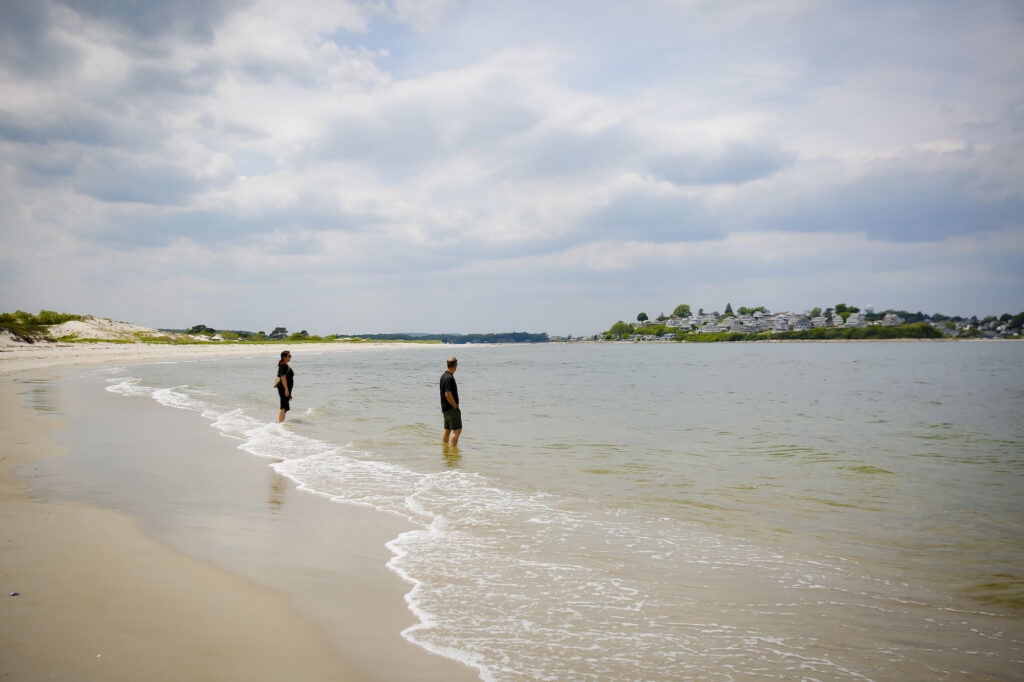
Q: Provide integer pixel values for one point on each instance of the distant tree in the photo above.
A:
(816, 312)
(682, 310)
(1005, 317)
(700, 312)
(728, 309)
(642, 317)
(743, 310)
(939, 317)
(620, 329)
(828, 314)
(279, 333)
(202, 329)
(661, 318)
(1016, 322)
(843, 308)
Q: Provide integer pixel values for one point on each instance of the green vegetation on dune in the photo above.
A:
(26, 324)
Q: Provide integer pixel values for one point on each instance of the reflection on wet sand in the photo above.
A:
(452, 457)
(40, 396)
(278, 488)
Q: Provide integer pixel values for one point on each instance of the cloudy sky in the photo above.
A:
(464, 166)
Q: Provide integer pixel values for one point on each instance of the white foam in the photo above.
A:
(128, 386)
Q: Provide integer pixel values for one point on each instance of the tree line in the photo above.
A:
(500, 337)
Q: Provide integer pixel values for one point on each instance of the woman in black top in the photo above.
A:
(284, 389)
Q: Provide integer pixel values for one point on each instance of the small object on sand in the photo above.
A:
(15, 594)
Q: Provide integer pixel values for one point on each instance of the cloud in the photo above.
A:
(654, 214)
(368, 151)
(735, 162)
(912, 198)
(423, 15)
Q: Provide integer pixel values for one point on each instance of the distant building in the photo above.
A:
(799, 323)
(892, 320)
(856, 320)
(706, 318)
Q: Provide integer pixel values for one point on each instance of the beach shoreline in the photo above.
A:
(37, 356)
(101, 596)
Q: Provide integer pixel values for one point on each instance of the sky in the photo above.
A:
(458, 166)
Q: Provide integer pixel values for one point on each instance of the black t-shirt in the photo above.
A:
(448, 384)
(284, 370)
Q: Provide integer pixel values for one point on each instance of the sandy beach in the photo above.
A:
(106, 595)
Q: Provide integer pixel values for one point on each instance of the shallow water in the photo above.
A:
(665, 512)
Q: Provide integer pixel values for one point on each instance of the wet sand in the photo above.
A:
(221, 571)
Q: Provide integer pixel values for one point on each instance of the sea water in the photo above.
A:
(669, 511)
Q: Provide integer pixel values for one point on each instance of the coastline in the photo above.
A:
(105, 596)
(22, 357)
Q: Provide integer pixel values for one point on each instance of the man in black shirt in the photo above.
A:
(450, 404)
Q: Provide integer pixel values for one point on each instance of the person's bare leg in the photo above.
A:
(455, 437)
(446, 434)
(280, 417)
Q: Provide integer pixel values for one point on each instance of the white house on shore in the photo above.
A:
(892, 320)
(680, 322)
(855, 320)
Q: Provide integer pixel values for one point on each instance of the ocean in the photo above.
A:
(819, 511)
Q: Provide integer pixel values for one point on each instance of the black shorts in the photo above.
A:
(452, 419)
(285, 400)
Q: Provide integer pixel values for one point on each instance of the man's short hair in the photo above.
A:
(452, 362)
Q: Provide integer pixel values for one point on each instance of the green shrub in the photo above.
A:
(28, 324)
(49, 317)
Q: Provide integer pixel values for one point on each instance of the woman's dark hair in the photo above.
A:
(284, 353)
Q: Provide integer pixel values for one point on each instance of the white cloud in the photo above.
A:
(423, 15)
(684, 146)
